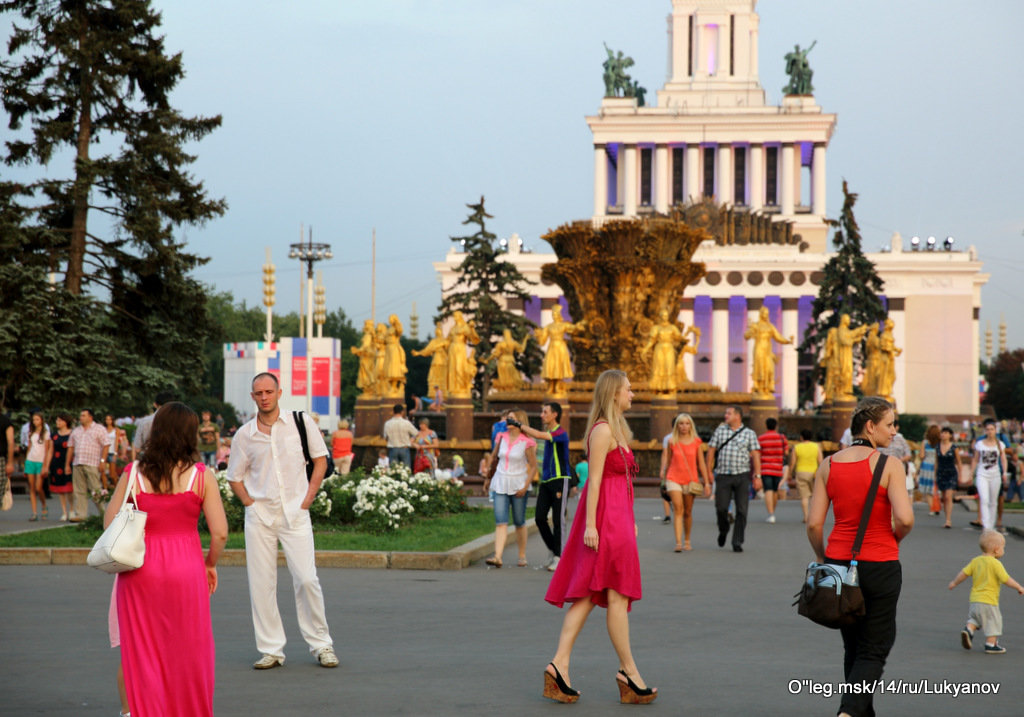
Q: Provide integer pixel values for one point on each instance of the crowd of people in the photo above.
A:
(164, 461)
(79, 460)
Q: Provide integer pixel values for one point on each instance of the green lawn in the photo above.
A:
(427, 535)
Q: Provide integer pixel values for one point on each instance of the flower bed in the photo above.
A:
(381, 501)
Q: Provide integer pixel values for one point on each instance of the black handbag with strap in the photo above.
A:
(830, 594)
(300, 424)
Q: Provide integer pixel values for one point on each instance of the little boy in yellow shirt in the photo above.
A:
(988, 575)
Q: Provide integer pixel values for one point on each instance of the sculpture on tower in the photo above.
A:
(437, 349)
(763, 332)
(557, 367)
(367, 353)
(616, 79)
(504, 353)
(799, 71)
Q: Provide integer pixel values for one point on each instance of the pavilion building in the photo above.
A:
(711, 135)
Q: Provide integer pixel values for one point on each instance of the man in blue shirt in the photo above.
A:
(555, 482)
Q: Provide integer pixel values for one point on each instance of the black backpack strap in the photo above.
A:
(865, 515)
(300, 424)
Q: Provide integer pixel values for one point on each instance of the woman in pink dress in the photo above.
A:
(600, 564)
(163, 608)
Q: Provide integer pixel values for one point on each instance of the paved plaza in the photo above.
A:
(715, 632)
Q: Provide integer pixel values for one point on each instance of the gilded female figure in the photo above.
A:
(764, 332)
(367, 353)
(557, 363)
(437, 349)
(872, 362)
(461, 364)
(663, 339)
(394, 358)
(888, 351)
(504, 352)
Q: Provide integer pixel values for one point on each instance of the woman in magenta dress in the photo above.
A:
(600, 564)
(163, 608)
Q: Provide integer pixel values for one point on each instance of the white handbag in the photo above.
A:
(122, 546)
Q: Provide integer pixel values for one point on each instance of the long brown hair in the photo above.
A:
(604, 406)
(173, 440)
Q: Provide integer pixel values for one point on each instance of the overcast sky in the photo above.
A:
(389, 114)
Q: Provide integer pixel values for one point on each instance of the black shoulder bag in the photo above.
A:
(830, 594)
(300, 424)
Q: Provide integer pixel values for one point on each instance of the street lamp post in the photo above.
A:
(310, 253)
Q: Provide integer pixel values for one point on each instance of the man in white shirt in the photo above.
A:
(267, 471)
(399, 433)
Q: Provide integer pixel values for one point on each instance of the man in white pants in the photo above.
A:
(267, 471)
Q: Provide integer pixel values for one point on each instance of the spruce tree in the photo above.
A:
(86, 86)
(485, 285)
(851, 285)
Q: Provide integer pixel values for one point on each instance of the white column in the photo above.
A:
(742, 49)
(620, 173)
(600, 181)
(661, 185)
(680, 46)
(686, 317)
(899, 335)
(692, 189)
(628, 166)
(724, 171)
(723, 49)
(720, 343)
(789, 362)
(818, 180)
(755, 21)
(975, 357)
(786, 180)
(700, 68)
(755, 172)
(753, 316)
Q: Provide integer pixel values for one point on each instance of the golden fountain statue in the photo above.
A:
(872, 362)
(504, 353)
(557, 367)
(616, 276)
(380, 344)
(687, 348)
(394, 358)
(846, 339)
(662, 340)
(437, 349)
(887, 348)
(461, 363)
(367, 353)
(763, 332)
(830, 362)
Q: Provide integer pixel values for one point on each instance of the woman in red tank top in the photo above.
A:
(842, 481)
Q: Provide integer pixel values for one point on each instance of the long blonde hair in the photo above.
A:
(675, 428)
(604, 406)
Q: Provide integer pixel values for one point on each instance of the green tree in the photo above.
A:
(1006, 384)
(87, 83)
(485, 279)
(851, 285)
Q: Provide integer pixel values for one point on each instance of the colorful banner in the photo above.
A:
(298, 375)
(321, 377)
(336, 376)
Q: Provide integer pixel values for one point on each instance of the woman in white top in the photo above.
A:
(988, 464)
(37, 463)
(513, 469)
